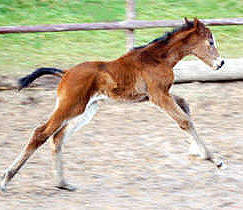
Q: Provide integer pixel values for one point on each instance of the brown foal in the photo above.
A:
(144, 73)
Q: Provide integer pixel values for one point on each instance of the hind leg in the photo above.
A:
(56, 144)
(41, 134)
(59, 138)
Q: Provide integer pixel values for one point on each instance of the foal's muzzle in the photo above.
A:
(221, 64)
(218, 64)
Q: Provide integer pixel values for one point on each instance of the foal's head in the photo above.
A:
(204, 46)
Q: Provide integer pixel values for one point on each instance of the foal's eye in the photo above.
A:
(211, 42)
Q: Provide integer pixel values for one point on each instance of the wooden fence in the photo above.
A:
(123, 25)
(130, 24)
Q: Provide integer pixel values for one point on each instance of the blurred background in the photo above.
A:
(22, 52)
(130, 156)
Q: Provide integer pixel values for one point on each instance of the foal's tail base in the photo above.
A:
(27, 80)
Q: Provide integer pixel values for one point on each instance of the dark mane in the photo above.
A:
(166, 37)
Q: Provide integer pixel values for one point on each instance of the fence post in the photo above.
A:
(130, 11)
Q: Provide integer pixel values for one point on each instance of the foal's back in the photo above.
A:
(116, 79)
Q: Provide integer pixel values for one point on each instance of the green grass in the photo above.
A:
(24, 52)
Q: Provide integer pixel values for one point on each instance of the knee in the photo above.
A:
(40, 133)
(185, 125)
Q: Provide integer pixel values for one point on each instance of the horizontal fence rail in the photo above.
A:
(197, 71)
(123, 25)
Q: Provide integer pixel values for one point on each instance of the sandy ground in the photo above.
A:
(131, 156)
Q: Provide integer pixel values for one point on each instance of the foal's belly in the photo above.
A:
(129, 95)
(134, 91)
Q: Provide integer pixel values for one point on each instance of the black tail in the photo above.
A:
(25, 81)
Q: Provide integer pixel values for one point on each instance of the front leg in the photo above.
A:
(181, 102)
(185, 107)
(166, 102)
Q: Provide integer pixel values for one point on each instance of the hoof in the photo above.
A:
(193, 150)
(65, 186)
(201, 156)
(197, 151)
(220, 164)
(3, 188)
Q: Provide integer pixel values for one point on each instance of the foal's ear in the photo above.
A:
(186, 20)
(200, 27)
(195, 23)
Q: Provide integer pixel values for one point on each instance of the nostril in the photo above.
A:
(222, 63)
